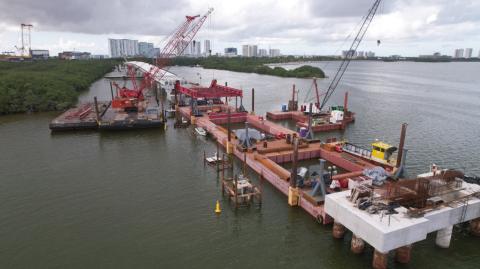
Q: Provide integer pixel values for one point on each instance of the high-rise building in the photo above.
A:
(262, 53)
(274, 52)
(198, 49)
(249, 50)
(230, 52)
(370, 54)
(207, 48)
(468, 53)
(245, 51)
(253, 50)
(146, 49)
(123, 47)
(193, 49)
(458, 53)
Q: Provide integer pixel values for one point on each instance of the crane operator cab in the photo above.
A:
(383, 152)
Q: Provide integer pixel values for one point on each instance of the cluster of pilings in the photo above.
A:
(402, 254)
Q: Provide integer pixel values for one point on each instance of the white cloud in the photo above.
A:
(296, 26)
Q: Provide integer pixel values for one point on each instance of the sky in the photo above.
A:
(298, 27)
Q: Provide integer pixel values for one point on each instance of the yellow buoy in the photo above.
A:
(217, 208)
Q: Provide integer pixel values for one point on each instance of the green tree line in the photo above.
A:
(47, 85)
(252, 65)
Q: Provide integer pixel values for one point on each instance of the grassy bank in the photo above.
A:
(47, 85)
(252, 65)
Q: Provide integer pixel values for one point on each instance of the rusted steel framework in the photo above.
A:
(214, 91)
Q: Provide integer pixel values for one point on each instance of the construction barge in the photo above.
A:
(337, 118)
(370, 198)
(102, 116)
(137, 108)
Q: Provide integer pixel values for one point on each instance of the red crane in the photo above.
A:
(175, 45)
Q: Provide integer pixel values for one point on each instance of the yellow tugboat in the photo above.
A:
(381, 153)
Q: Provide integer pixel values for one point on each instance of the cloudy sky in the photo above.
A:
(406, 27)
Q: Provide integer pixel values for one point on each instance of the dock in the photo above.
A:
(267, 163)
(388, 213)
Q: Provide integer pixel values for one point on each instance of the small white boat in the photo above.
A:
(214, 159)
(200, 131)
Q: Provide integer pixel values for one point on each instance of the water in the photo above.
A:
(143, 199)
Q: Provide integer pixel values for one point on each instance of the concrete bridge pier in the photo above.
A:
(338, 230)
(444, 237)
(380, 260)
(475, 226)
(357, 245)
(403, 254)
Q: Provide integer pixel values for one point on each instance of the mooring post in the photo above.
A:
(345, 109)
(253, 101)
(293, 197)
(229, 145)
(401, 144)
(216, 157)
(236, 190)
(293, 97)
(244, 163)
(204, 159)
(97, 113)
(345, 103)
(223, 168)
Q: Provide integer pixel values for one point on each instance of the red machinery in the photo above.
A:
(214, 91)
(175, 45)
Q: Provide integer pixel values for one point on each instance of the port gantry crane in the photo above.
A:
(174, 46)
(351, 52)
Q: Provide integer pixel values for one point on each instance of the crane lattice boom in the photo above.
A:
(351, 52)
(177, 44)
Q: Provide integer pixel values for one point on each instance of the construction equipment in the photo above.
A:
(175, 45)
(24, 50)
(351, 52)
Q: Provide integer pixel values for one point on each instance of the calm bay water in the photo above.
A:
(143, 199)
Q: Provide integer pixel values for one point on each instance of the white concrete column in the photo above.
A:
(443, 237)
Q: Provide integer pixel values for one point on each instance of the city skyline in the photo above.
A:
(410, 27)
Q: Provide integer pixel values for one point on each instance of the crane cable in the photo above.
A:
(327, 63)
